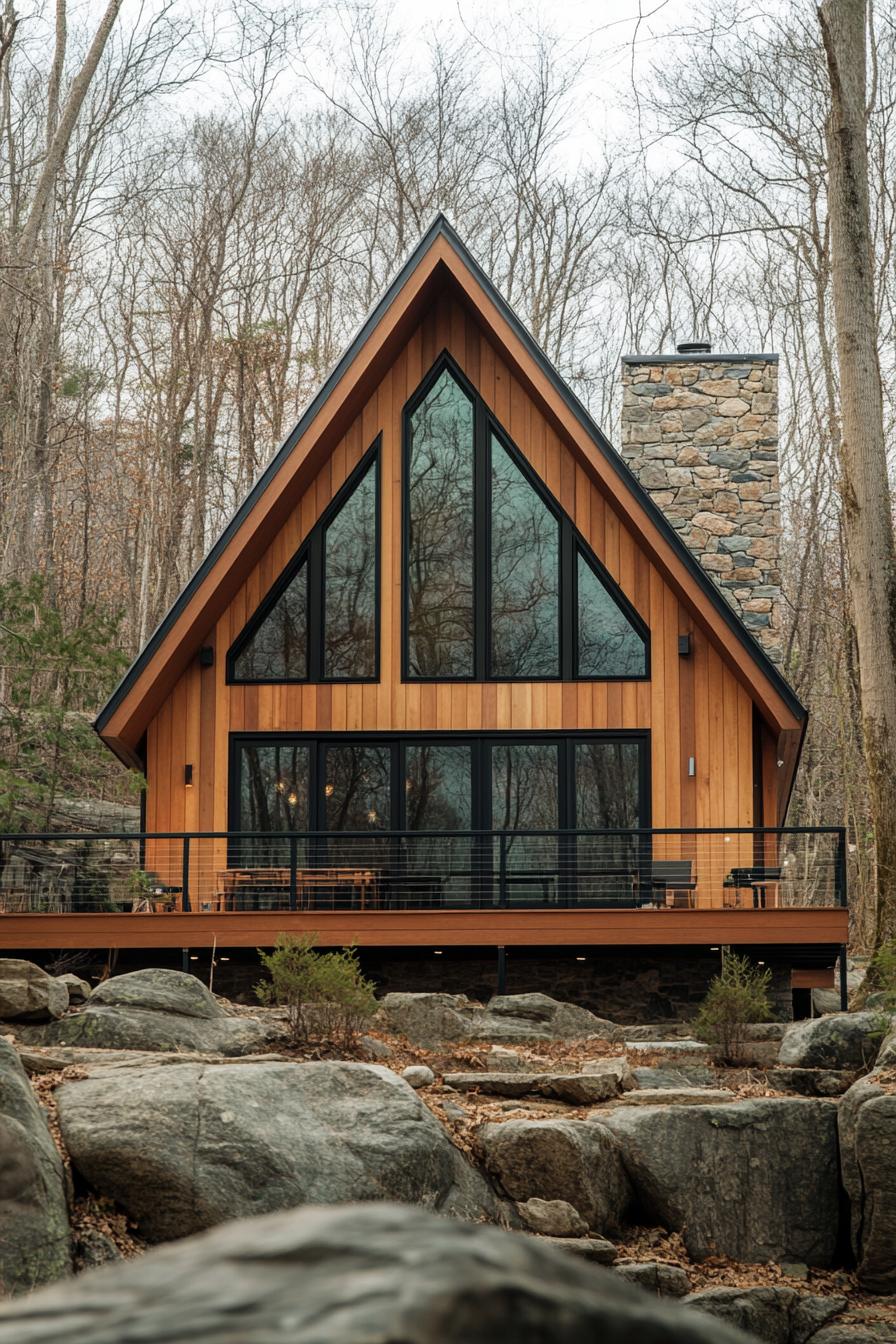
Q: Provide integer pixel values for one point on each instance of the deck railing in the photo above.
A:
(216, 872)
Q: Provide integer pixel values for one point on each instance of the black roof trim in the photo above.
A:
(440, 227)
(707, 357)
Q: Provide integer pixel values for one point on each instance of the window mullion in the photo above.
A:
(316, 605)
(568, 669)
(481, 546)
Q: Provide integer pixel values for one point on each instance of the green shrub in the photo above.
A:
(324, 993)
(736, 997)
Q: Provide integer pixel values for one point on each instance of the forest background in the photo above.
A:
(198, 207)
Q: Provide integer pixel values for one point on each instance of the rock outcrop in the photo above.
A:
(755, 1180)
(837, 1041)
(431, 1020)
(182, 1149)
(28, 994)
(867, 1123)
(34, 1228)
(560, 1159)
(774, 1315)
(156, 1010)
(78, 990)
(379, 1273)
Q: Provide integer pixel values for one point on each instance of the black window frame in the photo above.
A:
(485, 425)
(313, 551)
(480, 764)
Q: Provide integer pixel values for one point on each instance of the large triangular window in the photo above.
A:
(319, 621)
(498, 583)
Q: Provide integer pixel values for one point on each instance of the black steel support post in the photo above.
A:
(844, 988)
(293, 863)
(502, 970)
(185, 877)
(185, 960)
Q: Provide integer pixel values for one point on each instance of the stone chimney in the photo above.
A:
(700, 431)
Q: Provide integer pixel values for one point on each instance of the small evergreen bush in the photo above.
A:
(326, 997)
(736, 997)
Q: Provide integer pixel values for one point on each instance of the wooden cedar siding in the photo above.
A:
(693, 706)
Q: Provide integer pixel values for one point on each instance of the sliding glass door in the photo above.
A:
(406, 807)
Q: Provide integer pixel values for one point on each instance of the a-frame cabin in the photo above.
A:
(448, 606)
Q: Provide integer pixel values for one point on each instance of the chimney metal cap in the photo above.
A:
(694, 348)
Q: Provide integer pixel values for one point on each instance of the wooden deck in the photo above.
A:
(806, 928)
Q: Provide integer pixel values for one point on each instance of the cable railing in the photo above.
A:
(228, 871)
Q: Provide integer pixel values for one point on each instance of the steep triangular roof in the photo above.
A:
(439, 258)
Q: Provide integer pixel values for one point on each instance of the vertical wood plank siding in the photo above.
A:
(694, 706)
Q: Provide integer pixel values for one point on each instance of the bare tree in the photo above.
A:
(867, 506)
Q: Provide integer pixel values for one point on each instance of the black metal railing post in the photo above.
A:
(840, 868)
(185, 874)
(293, 864)
(502, 868)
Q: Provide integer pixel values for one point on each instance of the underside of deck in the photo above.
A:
(806, 928)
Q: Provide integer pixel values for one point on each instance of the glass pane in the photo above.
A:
(525, 795)
(607, 797)
(609, 645)
(350, 584)
(438, 788)
(278, 650)
(440, 534)
(438, 785)
(357, 787)
(525, 575)
(273, 797)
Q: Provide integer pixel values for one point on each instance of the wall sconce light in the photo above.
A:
(437, 952)
(188, 776)
(684, 645)
(692, 767)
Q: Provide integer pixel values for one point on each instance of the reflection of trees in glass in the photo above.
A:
(278, 650)
(274, 796)
(440, 544)
(357, 787)
(437, 788)
(350, 584)
(525, 786)
(606, 785)
(609, 645)
(607, 797)
(525, 563)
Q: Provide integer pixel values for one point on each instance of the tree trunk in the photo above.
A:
(867, 510)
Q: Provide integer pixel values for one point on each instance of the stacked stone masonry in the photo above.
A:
(702, 438)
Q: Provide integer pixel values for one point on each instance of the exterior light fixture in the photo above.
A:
(580, 958)
(188, 776)
(692, 767)
(437, 952)
(194, 958)
(713, 949)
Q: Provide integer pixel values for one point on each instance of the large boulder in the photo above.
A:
(34, 1228)
(156, 1010)
(28, 994)
(377, 1273)
(886, 1058)
(775, 1315)
(182, 1149)
(560, 1159)
(754, 1180)
(161, 991)
(837, 1041)
(518, 1018)
(431, 1020)
(428, 1019)
(867, 1122)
